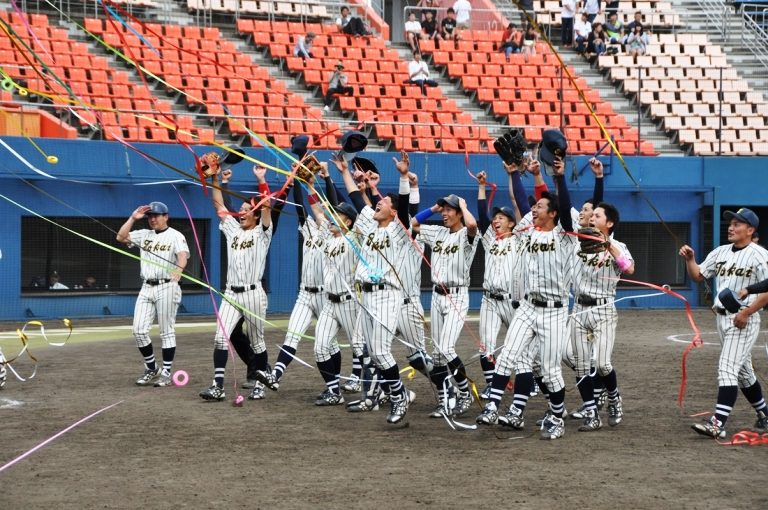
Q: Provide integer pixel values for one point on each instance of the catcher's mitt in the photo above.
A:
(511, 147)
(311, 166)
(592, 240)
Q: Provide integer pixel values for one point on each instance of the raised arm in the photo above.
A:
(224, 185)
(330, 188)
(423, 216)
(404, 191)
(298, 197)
(564, 199)
(124, 234)
(690, 263)
(265, 199)
(597, 168)
(539, 185)
(483, 221)
(517, 190)
(415, 197)
(355, 196)
(469, 220)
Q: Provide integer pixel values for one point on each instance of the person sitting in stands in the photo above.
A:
(596, 40)
(448, 25)
(429, 26)
(418, 73)
(413, 31)
(581, 31)
(511, 40)
(303, 46)
(637, 41)
(351, 25)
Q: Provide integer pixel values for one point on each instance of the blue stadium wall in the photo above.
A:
(678, 187)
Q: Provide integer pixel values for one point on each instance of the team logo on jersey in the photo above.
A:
(241, 245)
(155, 247)
(376, 244)
(339, 249)
(499, 251)
(447, 249)
(538, 247)
(314, 243)
(732, 270)
(596, 260)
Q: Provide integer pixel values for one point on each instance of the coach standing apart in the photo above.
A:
(164, 255)
(734, 266)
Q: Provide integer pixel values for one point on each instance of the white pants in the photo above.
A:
(252, 300)
(161, 301)
(332, 317)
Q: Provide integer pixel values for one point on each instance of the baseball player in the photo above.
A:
(383, 239)
(247, 245)
(3, 371)
(594, 317)
(453, 247)
(341, 308)
(734, 266)
(164, 255)
(542, 315)
(502, 289)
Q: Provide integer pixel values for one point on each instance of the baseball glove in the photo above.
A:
(311, 166)
(210, 164)
(592, 240)
(511, 147)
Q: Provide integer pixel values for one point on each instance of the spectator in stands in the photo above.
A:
(338, 84)
(611, 7)
(637, 41)
(413, 31)
(511, 40)
(429, 6)
(54, 283)
(350, 24)
(529, 42)
(303, 46)
(462, 9)
(637, 21)
(567, 12)
(429, 26)
(592, 8)
(448, 25)
(614, 29)
(418, 73)
(582, 29)
(596, 40)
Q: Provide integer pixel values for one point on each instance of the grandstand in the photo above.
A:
(225, 70)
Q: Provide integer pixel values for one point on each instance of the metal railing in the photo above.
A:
(754, 36)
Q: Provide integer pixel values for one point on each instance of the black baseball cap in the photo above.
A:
(505, 210)
(299, 145)
(729, 301)
(364, 164)
(743, 215)
(347, 210)
(157, 208)
(553, 143)
(451, 201)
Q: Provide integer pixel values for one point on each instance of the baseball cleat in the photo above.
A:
(257, 393)
(601, 399)
(489, 416)
(514, 418)
(352, 385)
(541, 420)
(399, 406)
(383, 398)
(163, 379)
(711, 427)
(148, 377)
(486, 393)
(592, 422)
(213, 393)
(329, 398)
(553, 428)
(761, 425)
(441, 409)
(580, 413)
(362, 406)
(463, 403)
(268, 379)
(535, 390)
(615, 412)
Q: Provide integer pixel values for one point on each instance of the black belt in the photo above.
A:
(407, 301)
(590, 301)
(239, 290)
(498, 296)
(371, 287)
(155, 282)
(339, 298)
(313, 290)
(444, 291)
(720, 311)
(544, 304)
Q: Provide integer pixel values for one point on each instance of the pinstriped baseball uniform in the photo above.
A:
(246, 260)
(159, 252)
(381, 248)
(502, 286)
(410, 320)
(547, 273)
(735, 269)
(593, 326)
(452, 254)
(341, 307)
(308, 304)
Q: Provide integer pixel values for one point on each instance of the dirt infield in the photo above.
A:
(166, 448)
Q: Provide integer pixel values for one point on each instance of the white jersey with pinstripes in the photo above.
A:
(410, 269)
(735, 268)
(312, 254)
(596, 274)
(547, 266)
(339, 263)
(246, 252)
(452, 254)
(159, 251)
(381, 249)
(502, 264)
